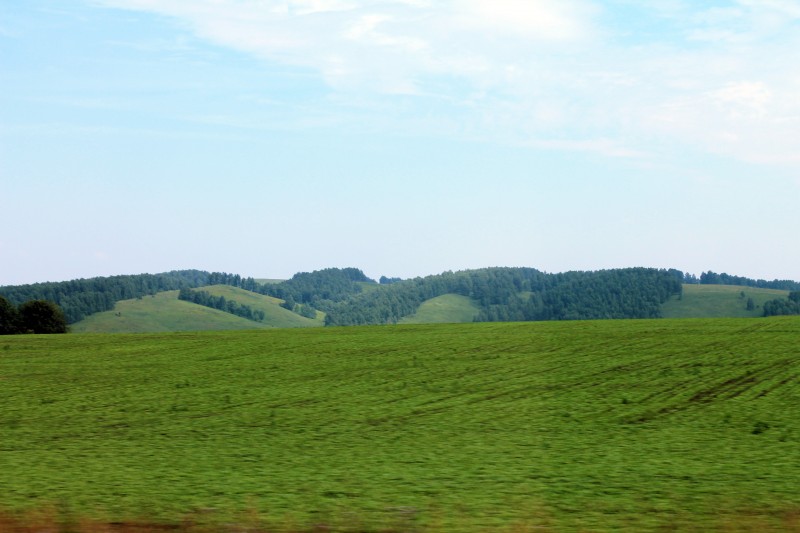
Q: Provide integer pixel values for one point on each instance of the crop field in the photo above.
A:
(655, 425)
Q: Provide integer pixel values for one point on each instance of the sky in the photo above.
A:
(402, 137)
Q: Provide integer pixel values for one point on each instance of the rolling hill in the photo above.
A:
(164, 312)
(632, 425)
(346, 297)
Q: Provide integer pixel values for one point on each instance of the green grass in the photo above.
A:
(164, 312)
(448, 308)
(657, 425)
(716, 301)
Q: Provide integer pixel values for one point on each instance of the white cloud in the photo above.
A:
(539, 72)
(536, 19)
(743, 99)
(789, 8)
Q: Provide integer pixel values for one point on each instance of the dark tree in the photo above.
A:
(9, 318)
(289, 303)
(789, 306)
(42, 316)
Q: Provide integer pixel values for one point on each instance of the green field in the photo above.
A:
(164, 312)
(717, 301)
(448, 308)
(656, 425)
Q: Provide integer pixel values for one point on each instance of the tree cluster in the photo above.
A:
(320, 289)
(789, 306)
(220, 303)
(33, 316)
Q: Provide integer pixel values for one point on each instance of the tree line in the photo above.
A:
(220, 303)
(712, 278)
(33, 316)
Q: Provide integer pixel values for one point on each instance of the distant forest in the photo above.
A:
(520, 294)
(502, 294)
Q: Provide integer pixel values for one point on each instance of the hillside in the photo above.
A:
(670, 425)
(164, 312)
(275, 315)
(718, 301)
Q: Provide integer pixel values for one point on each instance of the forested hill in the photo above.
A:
(82, 297)
(348, 297)
(520, 294)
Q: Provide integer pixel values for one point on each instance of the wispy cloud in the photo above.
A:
(550, 74)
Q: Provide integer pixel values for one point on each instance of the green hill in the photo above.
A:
(164, 312)
(448, 308)
(645, 425)
(717, 301)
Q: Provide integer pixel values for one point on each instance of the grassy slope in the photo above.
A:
(591, 426)
(275, 315)
(448, 308)
(164, 312)
(159, 313)
(715, 301)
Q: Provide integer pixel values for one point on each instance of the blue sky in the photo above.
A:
(403, 137)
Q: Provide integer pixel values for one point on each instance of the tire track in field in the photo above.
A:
(733, 387)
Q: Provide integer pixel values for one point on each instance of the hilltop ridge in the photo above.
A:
(346, 296)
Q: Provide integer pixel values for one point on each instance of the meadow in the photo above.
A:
(653, 425)
(717, 301)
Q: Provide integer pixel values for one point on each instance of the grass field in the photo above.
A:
(164, 312)
(448, 308)
(667, 425)
(717, 301)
